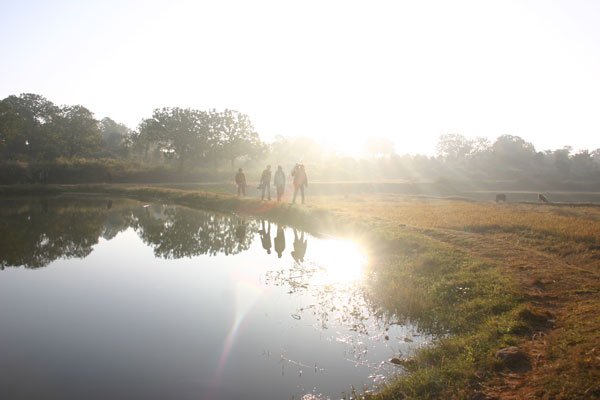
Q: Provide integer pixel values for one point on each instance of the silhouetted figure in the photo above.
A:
(279, 181)
(109, 205)
(265, 183)
(542, 198)
(240, 181)
(501, 197)
(299, 247)
(300, 181)
(108, 177)
(279, 241)
(265, 236)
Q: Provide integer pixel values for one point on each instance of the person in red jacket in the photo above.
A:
(300, 181)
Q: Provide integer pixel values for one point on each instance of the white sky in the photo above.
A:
(337, 71)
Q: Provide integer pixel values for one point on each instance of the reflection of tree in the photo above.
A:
(36, 232)
(176, 232)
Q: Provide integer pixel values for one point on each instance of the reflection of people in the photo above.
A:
(265, 183)
(265, 236)
(240, 181)
(299, 246)
(240, 231)
(279, 181)
(279, 241)
(300, 180)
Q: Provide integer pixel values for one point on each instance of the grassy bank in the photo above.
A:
(481, 276)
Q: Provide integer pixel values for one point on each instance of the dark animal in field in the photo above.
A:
(542, 198)
(500, 197)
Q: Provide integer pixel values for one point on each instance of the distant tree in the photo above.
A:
(454, 147)
(115, 137)
(177, 130)
(24, 120)
(512, 152)
(562, 160)
(199, 135)
(77, 132)
(295, 149)
(583, 163)
(480, 145)
(237, 136)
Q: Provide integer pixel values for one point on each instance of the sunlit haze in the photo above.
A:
(337, 71)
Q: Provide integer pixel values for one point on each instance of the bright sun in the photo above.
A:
(341, 262)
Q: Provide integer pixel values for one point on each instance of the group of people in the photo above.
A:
(279, 241)
(300, 181)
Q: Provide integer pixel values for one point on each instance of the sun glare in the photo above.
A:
(340, 262)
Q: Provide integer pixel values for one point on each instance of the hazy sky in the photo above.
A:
(337, 71)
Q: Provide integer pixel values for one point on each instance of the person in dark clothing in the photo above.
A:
(300, 181)
(240, 181)
(265, 236)
(265, 183)
(279, 241)
(299, 247)
(279, 181)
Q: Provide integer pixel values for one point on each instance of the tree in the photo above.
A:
(204, 135)
(562, 161)
(237, 136)
(77, 132)
(177, 130)
(454, 147)
(24, 120)
(583, 163)
(115, 137)
(512, 152)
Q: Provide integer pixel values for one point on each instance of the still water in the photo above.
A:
(118, 299)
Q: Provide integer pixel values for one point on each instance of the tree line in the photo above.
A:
(34, 128)
(512, 157)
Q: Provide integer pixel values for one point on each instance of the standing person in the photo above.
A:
(279, 181)
(265, 183)
(300, 180)
(240, 181)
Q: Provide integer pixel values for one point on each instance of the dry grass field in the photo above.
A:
(552, 253)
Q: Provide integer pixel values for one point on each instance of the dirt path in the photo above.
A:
(567, 293)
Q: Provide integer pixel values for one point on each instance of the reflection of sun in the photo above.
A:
(340, 262)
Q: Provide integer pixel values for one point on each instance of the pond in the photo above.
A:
(120, 299)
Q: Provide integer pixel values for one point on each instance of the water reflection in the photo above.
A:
(280, 241)
(36, 233)
(299, 247)
(265, 235)
(264, 324)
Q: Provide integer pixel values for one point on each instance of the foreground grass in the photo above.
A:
(478, 275)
